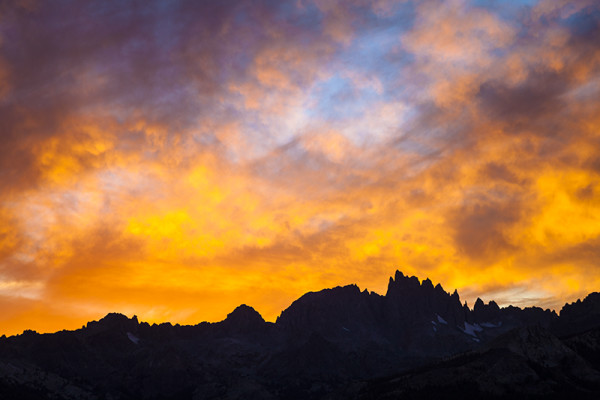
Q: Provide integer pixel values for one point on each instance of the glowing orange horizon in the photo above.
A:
(154, 168)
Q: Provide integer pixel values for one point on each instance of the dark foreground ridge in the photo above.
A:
(416, 342)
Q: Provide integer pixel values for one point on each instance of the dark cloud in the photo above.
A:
(167, 64)
(499, 172)
(593, 163)
(527, 103)
(585, 253)
(480, 227)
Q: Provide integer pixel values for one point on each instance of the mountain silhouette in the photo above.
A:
(417, 341)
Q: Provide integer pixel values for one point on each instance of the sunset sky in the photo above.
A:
(174, 159)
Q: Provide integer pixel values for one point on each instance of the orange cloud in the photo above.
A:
(453, 42)
(264, 153)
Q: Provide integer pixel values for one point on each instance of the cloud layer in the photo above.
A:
(173, 160)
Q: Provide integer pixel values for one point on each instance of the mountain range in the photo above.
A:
(416, 342)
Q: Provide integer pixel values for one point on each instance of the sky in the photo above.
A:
(175, 159)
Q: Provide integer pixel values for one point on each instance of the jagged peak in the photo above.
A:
(115, 321)
(589, 303)
(398, 275)
(118, 317)
(399, 280)
(493, 305)
(479, 304)
(427, 283)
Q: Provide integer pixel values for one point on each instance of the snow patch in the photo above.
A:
(346, 329)
(471, 329)
(475, 339)
(133, 338)
(434, 329)
(490, 325)
(441, 320)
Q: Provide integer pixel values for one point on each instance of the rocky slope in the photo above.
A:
(525, 363)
